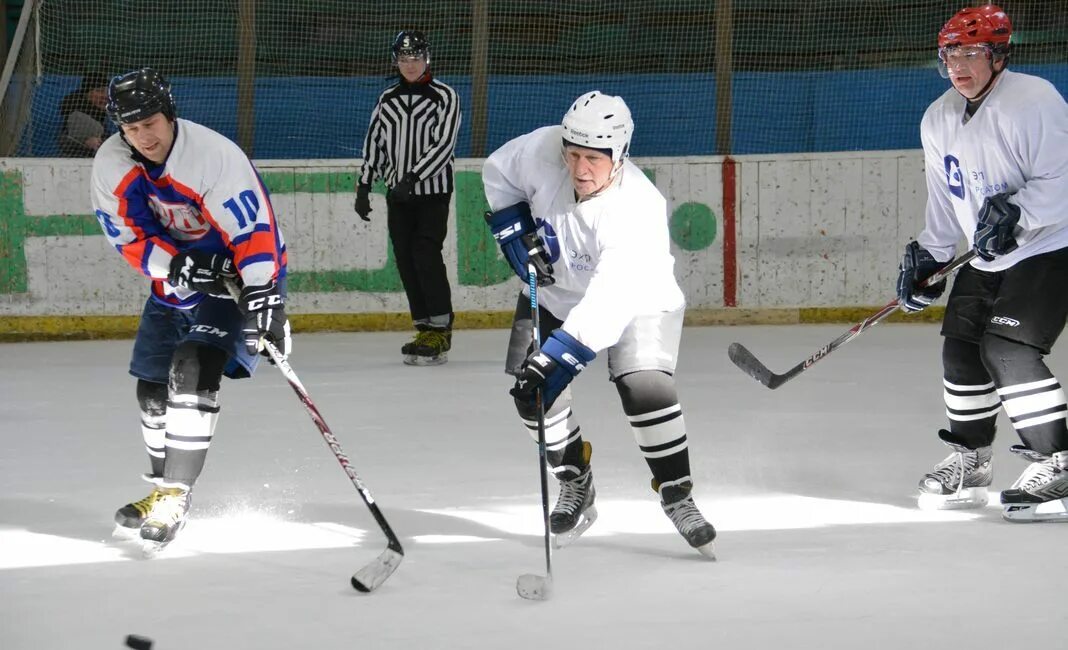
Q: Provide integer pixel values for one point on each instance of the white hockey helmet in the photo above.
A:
(599, 121)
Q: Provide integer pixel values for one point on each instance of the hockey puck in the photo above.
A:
(138, 642)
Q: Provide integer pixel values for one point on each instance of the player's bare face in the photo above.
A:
(591, 170)
(970, 68)
(411, 67)
(152, 136)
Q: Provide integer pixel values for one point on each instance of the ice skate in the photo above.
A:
(166, 518)
(430, 347)
(130, 517)
(960, 481)
(574, 511)
(408, 349)
(678, 505)
(1041, 492)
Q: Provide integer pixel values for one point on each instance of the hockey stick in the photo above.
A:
(369, 577)
(529, 585)
(752, 366)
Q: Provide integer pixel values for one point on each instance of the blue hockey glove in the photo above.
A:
(203, 272)
(993, 234)
(513, 228)
(265, 317)
(917, 264)
(560, 360)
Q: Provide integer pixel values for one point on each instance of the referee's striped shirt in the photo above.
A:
(413, 129)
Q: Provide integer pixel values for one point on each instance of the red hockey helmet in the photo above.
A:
(986, 25)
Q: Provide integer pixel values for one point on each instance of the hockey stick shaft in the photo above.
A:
(374, 574)
(543, 460)
(752, 366)
(530, 586)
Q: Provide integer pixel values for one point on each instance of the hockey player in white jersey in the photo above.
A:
(567, 198)
(996, 158)
(184, 206)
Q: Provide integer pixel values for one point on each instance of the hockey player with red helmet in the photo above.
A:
(997, 175)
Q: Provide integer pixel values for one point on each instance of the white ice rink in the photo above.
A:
(811, 488)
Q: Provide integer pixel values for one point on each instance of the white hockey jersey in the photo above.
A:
(1016, 143)
(206, 196)
(611, 254)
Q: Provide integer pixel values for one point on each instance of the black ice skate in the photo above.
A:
(430, 347)
(1041, 492)
(960, 481)
(678, 505)
(574, 511)
(130, 517)
(166, 518)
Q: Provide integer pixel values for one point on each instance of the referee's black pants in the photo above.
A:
(417, 229)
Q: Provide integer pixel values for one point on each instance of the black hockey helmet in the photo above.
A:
(139, 94)
(411, 42)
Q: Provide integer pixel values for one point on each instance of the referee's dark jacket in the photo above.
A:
(413, 129)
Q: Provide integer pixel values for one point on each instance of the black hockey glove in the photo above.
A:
(402, 191)
(561, 359)
(994, 232)
(265, 318)
(363, 201)
(514, 229)
(917, 264)
(202, 272)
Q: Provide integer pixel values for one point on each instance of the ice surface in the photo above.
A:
(811, 486)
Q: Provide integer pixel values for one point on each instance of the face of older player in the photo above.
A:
(411, 67)
(591, 170)
(970, 68)
(152, 136)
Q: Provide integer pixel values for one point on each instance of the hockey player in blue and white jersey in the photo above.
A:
(186, 208)
(567, 198)
(997, 174)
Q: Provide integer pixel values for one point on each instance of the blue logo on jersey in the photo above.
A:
(549, 237)
(954, 178)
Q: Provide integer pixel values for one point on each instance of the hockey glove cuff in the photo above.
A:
(917, 264)
(994, 232)
(517, 235)
(265, 318)
(202, 272)
(560, 360)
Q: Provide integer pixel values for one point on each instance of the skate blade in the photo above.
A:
(151, 548)
(585, 521)
(124, 534)
(534, 587)
(708, 550)
(416, 360)
(1026, 513)
(966, 499)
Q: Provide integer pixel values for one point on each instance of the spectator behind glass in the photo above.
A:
(83, 118)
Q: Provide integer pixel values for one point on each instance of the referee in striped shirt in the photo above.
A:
(409, 145)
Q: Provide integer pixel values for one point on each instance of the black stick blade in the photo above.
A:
(374, 574)
(751, 366)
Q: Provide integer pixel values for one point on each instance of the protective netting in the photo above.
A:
(298, 78)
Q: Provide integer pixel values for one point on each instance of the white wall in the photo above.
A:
(813, 230)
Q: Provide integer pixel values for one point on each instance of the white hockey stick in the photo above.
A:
(372, 575)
